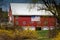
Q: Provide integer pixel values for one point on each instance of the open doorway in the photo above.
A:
(38, 28)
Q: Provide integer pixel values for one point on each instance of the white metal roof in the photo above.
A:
(23, 9)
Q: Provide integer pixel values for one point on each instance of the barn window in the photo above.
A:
(45, 28)
(35, 18)
(31, 28)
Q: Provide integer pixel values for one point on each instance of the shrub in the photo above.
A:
(26, 34)
(6, 34)
(57, 37)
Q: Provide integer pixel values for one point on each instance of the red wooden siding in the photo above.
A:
(21, 21)
(51, 21)
(26, 21)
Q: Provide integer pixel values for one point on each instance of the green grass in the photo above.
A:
(43, 35)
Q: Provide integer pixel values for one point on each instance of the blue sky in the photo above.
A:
(1, 3)
(5, 6)
(5, 3)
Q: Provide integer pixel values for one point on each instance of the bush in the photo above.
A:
(6, 34)
(57, 37)
(27, 34)
(16, 35)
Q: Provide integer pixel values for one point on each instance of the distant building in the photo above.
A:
(20, 15)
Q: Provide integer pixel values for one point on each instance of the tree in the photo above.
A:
(53, 7)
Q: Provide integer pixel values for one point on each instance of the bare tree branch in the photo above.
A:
(48, 6)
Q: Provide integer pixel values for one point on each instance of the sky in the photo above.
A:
(5, 3)
(0, 3)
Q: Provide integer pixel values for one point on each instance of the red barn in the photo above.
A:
(21, 15)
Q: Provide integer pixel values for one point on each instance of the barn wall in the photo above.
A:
(26, 21)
